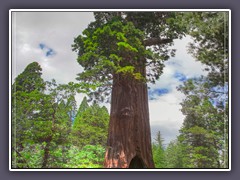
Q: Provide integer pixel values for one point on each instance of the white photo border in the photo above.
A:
(100, 10)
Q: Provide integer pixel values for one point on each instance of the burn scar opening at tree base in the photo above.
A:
(137, 163)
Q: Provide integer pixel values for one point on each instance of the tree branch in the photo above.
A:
(156, 41)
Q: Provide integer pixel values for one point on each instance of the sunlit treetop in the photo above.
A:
(125, 43)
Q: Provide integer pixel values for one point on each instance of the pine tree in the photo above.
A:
(202, 133)
(210, 31)
(158, 151)
(174, 155)
(26, 91)
(90, 125)
(83, 106)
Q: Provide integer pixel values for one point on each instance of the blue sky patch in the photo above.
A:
(47, 50)
(42, 46)
(180, 76)
(173, 63)
(220, 89)
(222, 97)
(50, 52)
(154, 93)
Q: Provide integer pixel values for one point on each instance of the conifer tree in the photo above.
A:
(120, 52)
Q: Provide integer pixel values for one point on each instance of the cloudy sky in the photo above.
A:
(46, 37)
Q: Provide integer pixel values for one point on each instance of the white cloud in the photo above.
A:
(56, 30)
(165, 114)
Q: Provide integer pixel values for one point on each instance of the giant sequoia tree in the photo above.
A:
(120, 53)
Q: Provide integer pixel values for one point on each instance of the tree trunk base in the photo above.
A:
(129, 138)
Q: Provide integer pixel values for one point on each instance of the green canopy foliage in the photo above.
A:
(126, 42)
(90, 125)
(30, 79)
(210, 32)
(203, 133)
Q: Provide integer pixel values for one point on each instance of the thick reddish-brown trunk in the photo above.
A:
(129, 138)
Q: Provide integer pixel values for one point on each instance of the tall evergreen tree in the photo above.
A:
(120, 52)
(210, 31)
(158, 151)
(203, 130)
(26, 91)
(83, 106)
(174, 155)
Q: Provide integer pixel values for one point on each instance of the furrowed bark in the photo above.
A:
(129, 138)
